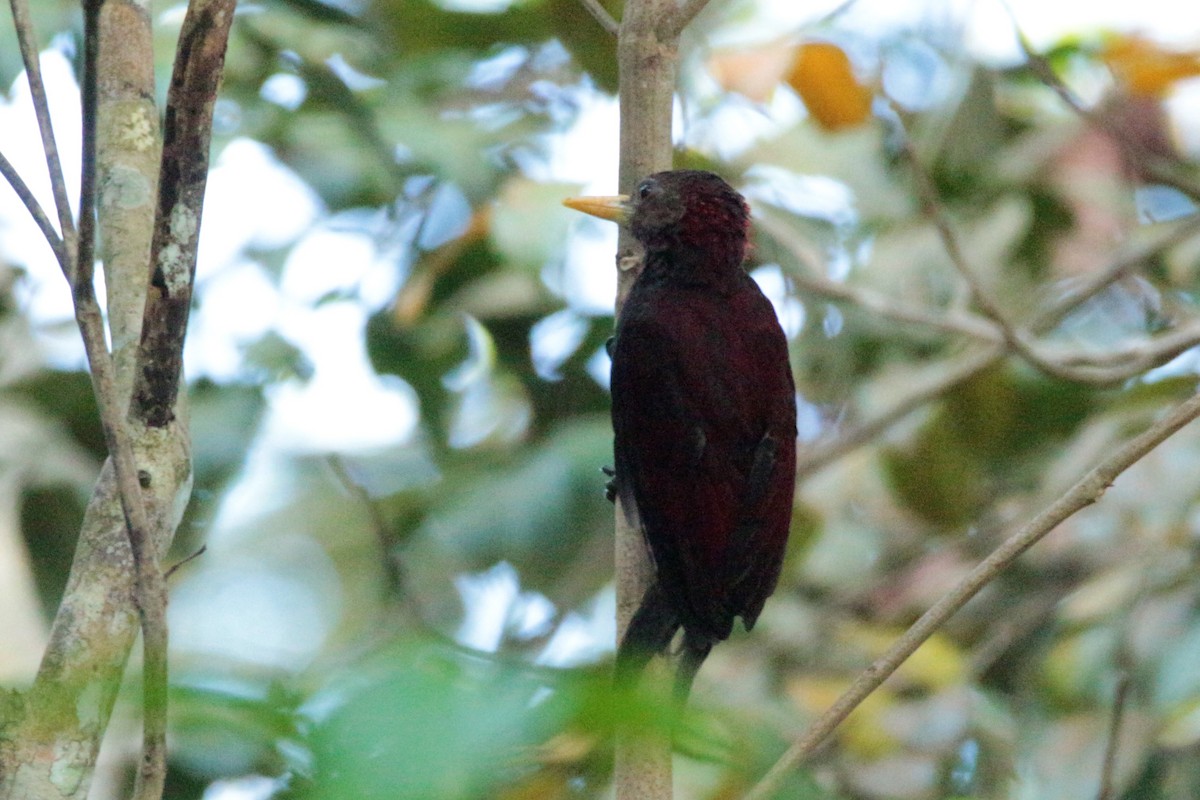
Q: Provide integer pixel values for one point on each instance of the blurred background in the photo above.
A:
(398, 390)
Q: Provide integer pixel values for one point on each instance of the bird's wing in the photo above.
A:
(704, 416)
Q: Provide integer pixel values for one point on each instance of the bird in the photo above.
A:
(704, 420)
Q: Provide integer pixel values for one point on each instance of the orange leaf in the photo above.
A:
(1142, 67)
(752, 73)
(824, 77)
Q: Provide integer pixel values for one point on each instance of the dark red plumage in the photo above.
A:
(704, 417)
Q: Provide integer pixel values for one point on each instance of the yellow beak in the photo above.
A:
(614, 208)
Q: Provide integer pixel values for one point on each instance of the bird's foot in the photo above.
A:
(610, 486)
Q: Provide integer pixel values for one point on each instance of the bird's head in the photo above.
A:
(691, 218)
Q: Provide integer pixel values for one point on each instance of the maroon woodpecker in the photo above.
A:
(704, 418)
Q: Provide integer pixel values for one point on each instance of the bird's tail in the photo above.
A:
(649, 633)
(695, 650)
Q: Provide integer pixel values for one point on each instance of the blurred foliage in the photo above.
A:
(427, 618)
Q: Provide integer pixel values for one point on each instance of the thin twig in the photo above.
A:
(1138, 356)
(35, 210)
(41, 109)
(171, 570)
(1095, 282)
(1075, 369)
(379, 524)
(1107, 772)
(1085, 492)
(818, 455)
(602, 16)
(879, 304)
(86, 257)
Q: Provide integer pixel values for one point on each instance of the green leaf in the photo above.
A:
(429, 726)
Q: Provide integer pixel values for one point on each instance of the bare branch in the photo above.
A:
(1095, 282)
(1074, 368)
(35, 210)
(199, 63)
(1136, 357)
(602, 16)
(818, 455)
(86, 255)
(128, 144)
(136, 501)
(648, 63)
(171, 570)
(1089, 489)
(150, 594)
(813, 282)
(186, 137)
(41, 108)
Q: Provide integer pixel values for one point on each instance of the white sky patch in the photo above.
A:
(985, 27)
(275, 615)
(216, 338)
(43, 292)
(599, 366)
(478, 6)
(584, 637)
(325, 261)
(284, 90)
(553, 340)
(447, 219)
(494, 605)
(1184, 114)
(252, 201)
(587, 276)
(355, 81)
(344, 405)
(803, 195)
(487, 600)
(735, 124)
(247, 787)
(587, 152)
(788, 309)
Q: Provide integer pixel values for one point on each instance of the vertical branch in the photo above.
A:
(129, 146)
(187, 134)
(648, 59)
(51, 751)
(149, 587)
(183, 177)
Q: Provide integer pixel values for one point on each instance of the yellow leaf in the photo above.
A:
(863, 733)
(1143, 67)
(824, 78)
(936, 664)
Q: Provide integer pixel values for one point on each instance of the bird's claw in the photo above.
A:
(610, 486)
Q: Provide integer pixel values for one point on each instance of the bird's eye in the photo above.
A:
(644, 189)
